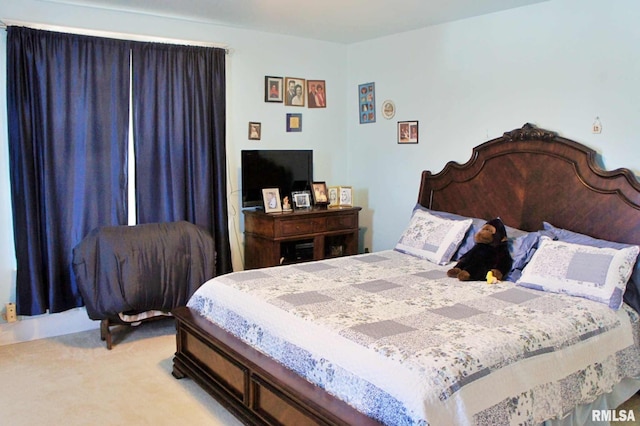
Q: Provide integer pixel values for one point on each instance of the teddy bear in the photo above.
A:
(489, 254)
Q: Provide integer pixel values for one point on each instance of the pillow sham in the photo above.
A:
(467, 242)
(431, 237)
(594, 273)
(632, 292)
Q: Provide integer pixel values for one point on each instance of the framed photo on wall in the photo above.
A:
(367, 102)
(317, 94)
(294, 122)
(407, 132)
(295, 91)
(272, 89)
(271, 198)
(254, 131)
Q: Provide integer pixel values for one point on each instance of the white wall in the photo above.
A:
(253, 56)
(556, 64)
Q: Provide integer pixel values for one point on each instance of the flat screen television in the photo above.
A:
(287, 169)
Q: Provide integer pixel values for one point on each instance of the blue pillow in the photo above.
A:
(632, 292)
(521, 249)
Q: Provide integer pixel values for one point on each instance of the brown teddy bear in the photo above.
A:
(489, 254)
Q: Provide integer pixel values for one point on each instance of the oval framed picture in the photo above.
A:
(388, 109)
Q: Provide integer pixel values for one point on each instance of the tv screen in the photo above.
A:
(287, 170)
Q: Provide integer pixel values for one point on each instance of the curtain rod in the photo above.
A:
(4, 23)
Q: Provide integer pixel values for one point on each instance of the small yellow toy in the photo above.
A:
(491, 279)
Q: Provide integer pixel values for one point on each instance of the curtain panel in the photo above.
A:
(68, 118)
(179, 138)
(68, 107)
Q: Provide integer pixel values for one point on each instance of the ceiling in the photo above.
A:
(341, 21)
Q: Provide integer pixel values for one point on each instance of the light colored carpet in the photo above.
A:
(74, 380)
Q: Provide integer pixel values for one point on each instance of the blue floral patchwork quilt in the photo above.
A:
(397, 339)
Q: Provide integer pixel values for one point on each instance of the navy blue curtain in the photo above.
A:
(68, 106)
(179, 138)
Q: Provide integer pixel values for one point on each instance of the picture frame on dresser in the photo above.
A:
(301, 199)
(271, 198)
(332, 193)
(320, 193)
(345, 196)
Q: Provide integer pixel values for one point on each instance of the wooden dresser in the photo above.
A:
(299, 236)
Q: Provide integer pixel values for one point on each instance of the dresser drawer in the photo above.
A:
(304, 226)
(344, 221)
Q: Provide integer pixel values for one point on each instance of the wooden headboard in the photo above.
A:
(531, 175)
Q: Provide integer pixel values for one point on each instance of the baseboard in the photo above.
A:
(43, 326)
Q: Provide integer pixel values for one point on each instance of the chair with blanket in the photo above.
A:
(127, 274)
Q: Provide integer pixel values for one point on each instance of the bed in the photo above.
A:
(388, 338)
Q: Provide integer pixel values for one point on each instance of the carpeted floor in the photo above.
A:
(74, 380)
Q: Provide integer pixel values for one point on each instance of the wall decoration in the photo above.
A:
(407, 132)
(295, 91)
(367, 103)
(255, 130)
(273, 89)
(294, 122)
(317, 94)
(271, 198)
(388, 109)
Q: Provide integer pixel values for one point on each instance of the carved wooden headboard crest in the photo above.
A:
(531, 175)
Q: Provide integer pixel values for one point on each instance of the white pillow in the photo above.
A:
(599, 274)
(432, 238)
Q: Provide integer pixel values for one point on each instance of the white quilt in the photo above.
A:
(397, 339)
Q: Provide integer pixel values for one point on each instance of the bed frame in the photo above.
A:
(527, 176)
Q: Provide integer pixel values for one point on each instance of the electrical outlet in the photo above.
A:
(11, 312)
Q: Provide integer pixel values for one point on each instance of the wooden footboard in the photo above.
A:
(255, 388)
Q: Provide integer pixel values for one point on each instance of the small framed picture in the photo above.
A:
(272, 89)
(388, 109)
(345, 196)
(295, 91)
(320, 193)
(294, 122)
(334, 199)
(407, 132)
(254, 131)
(301, 199)
(271, 198)
(317, 94)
